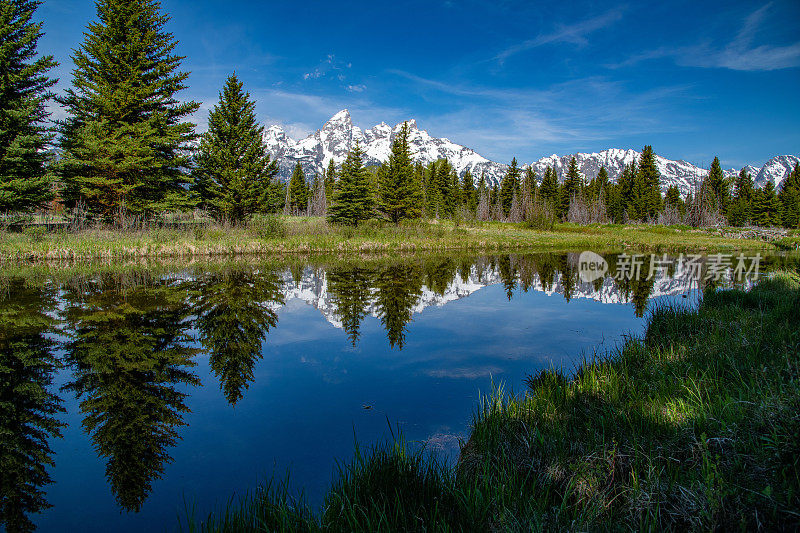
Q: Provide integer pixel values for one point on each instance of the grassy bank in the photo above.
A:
(313, 235)
(693, 426)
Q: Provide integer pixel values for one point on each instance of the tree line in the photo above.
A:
(127, 149)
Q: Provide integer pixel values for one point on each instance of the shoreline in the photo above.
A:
(302, 235)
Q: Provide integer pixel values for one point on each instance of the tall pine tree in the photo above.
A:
(648, 185)
(509, 185)
(298, 190)
(125, 143)
(717, 186)
(548, 190)
(234, 173)
(25, 182)
(571, 188)
(399, 193)
(353, 198)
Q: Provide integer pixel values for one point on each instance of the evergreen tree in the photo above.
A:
(790, 198)
(627, 191)
(330, 180)
(766, 206)
(399, 193)
(598, 186)
(234, 172)
(25, 182)
(528, 188)
(469, 194)
(548, 190)
(673, 199)
(571, 188)
(28, 406)
(740, 210)
(717, 186)
(648, 187)
(125, 144)
(298, 190)
(353, 198)
(509, 185)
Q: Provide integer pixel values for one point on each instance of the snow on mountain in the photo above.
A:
(775, 170)
(339, 135)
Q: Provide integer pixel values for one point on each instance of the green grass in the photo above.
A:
(276, 235)
(695, 425)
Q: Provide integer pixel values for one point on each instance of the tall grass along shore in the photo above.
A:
(275, 235)
(693, 426)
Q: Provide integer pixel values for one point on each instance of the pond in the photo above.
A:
(153, 389)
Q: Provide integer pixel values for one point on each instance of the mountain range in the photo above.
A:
(339, 135)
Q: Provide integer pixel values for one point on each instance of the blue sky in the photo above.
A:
(525, 79)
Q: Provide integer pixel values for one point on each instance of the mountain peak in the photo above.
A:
(342, 116)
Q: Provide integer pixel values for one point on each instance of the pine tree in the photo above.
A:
(298, 190)
(718, 186)
(571, 188)
(330, 180)
(509, 185)
(740, 210)
(399, 193)
(124, 143)
(469, 194)
(529, 184)
(627, 192)
(548, 190)
(766, 206)
(649, 184)
(25, 181)
(234, 173)
(353, 198)
(789, 197)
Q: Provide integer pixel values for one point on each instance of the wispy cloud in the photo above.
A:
(577, 33)
(738, 54)
(567, 115)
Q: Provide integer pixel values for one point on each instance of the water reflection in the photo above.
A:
(129, 349)
(235, 310)
(27, 407)
(129, 342)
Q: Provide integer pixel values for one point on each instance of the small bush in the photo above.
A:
(269, 227)
(540, 217)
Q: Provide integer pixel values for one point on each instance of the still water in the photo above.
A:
(130, 393)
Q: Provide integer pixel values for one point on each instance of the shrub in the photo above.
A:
(269, 227)
(540, 217)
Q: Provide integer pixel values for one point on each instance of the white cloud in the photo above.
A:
(738, 54)
(571, 33)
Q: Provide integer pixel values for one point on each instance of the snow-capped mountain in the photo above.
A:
(339, 135)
